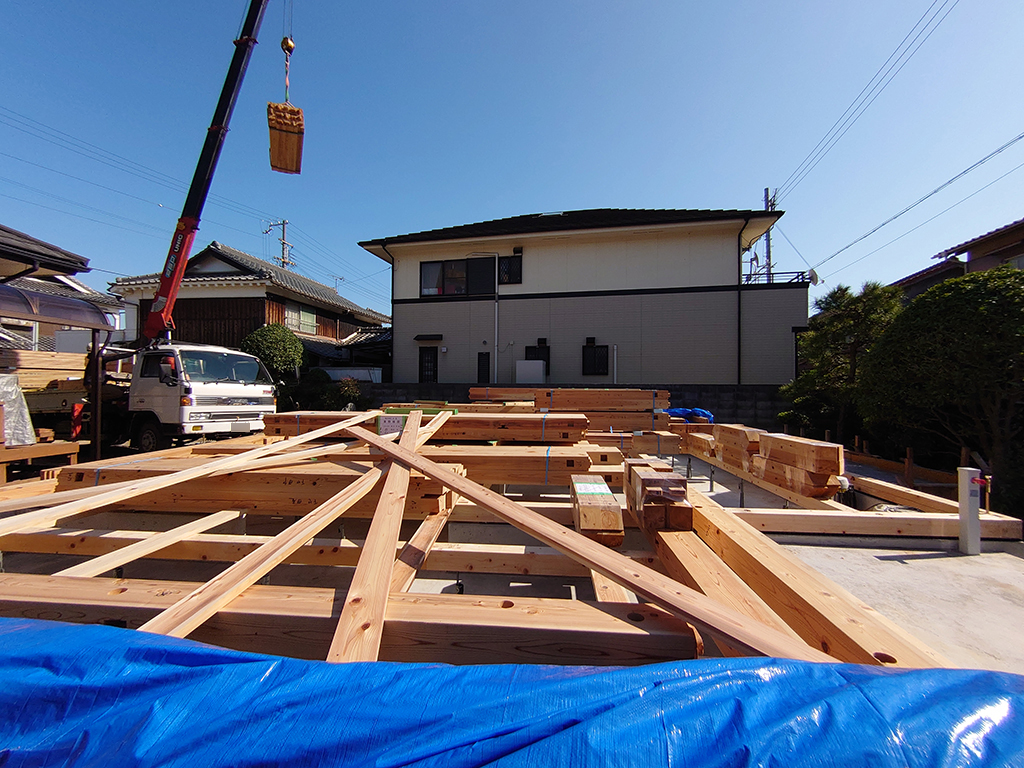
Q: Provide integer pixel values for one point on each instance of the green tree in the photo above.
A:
(843, 329)
(952, 365)
(278, 348)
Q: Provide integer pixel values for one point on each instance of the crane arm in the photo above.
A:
(159, 321)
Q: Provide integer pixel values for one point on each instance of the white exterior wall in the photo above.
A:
(700, 254)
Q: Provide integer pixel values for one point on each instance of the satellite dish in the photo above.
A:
(814, 277)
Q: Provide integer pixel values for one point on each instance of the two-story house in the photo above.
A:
(603, 297)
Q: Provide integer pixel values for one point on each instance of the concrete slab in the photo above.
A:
(968, 608)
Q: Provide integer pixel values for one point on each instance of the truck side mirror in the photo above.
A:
(167, 375)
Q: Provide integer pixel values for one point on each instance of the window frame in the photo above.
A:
(510, 269)
(448, 282)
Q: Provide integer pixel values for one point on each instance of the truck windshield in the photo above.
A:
(206, 365)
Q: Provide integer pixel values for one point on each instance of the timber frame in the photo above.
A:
(312, 542)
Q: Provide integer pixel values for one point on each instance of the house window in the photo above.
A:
(480, 276)
(510, 269)
(431, 278)
(595, 359)
(457, 277)
(299, 318)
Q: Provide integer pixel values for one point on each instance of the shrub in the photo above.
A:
(278, 348)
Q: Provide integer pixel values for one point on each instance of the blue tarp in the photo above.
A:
(690, 413)
(101, 696)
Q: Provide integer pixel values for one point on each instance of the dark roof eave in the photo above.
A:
(568, 221)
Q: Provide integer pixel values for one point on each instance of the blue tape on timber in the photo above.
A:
(547, 462)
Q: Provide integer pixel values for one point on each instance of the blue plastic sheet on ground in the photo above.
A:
(100, 696)
(690, 413)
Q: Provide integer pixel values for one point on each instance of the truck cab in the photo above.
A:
(188, 391)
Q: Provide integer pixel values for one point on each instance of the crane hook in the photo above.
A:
(287, 45)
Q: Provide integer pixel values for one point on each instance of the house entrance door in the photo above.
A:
(428, 365)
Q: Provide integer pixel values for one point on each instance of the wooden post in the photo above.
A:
(908, 468)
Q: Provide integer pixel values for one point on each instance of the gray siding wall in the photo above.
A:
(686, 337)
(769, 346)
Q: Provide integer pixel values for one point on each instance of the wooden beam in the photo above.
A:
(451, 557)
(689, 605)
(689, 560)
(52, 515)
(300, 621)
(357, 637)
(595, 511)
(150, 545)
(607, 591)
(805, 502)
(193, 609)
(867, 523)
(822, 613)
(898, 494)
(414, 554)
(812, 455)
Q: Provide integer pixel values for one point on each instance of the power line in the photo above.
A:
(867, 96)
(935, 191)
(784, 235)
(927, 221)
(95, 153)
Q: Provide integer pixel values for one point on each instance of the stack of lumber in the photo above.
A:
(736, 444)
(617, 413)
(38, 370)
(638, 412)
(636, 444)
(533, 428)
(807, 467)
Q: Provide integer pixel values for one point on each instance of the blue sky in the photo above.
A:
(422, 115)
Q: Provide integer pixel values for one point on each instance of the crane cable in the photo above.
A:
(287, 43)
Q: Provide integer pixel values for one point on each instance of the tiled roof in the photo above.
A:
(969, 244)
(597, 218)
(321, 346)
(369, 336)
(259, 269)
(18, 246)
(13, 340)
(951, 264)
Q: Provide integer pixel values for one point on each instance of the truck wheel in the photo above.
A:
(148, 436)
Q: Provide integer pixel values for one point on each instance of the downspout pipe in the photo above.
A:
(384, 246)
(739, 302)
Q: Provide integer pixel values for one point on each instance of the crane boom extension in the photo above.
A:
(159, 322)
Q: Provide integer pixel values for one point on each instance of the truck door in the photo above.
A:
(156, 388)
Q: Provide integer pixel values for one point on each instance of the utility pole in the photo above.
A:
(285, 259)
(769, 205)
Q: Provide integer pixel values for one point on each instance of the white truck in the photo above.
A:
(176, 391)
(187, 391)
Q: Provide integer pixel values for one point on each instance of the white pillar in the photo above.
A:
(970, 504)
